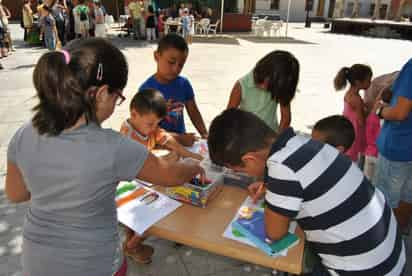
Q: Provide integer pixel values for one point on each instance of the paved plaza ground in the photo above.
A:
(213, 66)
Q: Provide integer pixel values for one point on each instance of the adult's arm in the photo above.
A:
(16, 189)
(276, 225)
(235, 96)
(398, 112)
(158, 171)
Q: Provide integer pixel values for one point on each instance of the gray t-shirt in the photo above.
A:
(71, 223)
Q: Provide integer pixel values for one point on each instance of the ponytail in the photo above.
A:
(61, 100)
(357, 72)
(341, 78)
(66, 83)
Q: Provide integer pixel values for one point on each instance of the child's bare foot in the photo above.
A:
(141, 254)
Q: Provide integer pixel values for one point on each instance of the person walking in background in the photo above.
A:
(150, 24)
(49, 30)
(99, 20)
(4, 17)
(59, 10)
(81, 20)
(135, 10)
(27, 17)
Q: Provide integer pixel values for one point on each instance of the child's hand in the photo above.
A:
(257, 190)
(188, 139)
(171, 157)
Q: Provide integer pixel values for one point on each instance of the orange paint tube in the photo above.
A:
(135, 194)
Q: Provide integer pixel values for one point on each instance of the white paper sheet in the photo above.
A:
(140, 216)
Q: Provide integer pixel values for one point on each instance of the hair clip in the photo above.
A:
(66, 55)
(99, 76)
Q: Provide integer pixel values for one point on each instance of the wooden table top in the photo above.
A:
(203, 228)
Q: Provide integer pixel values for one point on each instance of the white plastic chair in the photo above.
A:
(260, 27)
(212, 28)
(277, 25)
(203, 26)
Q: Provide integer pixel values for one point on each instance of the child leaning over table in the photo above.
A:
(346, 220)
(147, 109)
(170, 56)
(335, 130)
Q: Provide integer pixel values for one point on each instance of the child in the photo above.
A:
(150, 24)
(336, 131)
(147, 108)
(170, 56)
(346, 220)
(273, 80)
(49, 30)
(161, 24)
(186, 26)
(380, 86)
(359, 77)
(3, 49)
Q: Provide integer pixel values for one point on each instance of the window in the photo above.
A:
(274, 4)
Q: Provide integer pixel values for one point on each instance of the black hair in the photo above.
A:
(338, 131)
(150, 9)
(149, 101)
(387, 95)
(172, 41)
(281, 70)
(357, 72)
(46, 8)
(66, 91)
(234, 133)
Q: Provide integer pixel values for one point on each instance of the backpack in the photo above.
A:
(83, 14)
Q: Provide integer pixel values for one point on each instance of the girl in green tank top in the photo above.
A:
(273, 80)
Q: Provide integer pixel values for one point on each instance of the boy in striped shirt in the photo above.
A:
(346, 220)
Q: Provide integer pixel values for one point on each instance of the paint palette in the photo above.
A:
(195, 192)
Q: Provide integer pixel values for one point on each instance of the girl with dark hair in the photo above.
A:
(359, 77)
(67, 166)
(273, 80)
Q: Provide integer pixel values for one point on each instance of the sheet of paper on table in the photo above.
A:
(233, 235)
(141, 212)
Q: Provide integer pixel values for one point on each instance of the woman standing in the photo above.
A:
(27, 18)
(68, 166)
(394, 171)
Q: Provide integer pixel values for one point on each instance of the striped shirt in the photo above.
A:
(346, 220)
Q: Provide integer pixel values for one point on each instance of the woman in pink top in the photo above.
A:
(359, 77)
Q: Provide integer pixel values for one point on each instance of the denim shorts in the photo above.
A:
(394, 179)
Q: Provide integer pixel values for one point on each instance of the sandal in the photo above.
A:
(142, 254)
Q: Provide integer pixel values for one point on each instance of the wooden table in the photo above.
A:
(203, 229)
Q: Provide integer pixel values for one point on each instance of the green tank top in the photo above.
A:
(258, 101)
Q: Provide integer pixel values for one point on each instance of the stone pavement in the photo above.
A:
(213, 66)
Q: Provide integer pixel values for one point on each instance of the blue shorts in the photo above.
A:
(394, 179)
